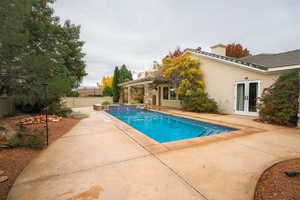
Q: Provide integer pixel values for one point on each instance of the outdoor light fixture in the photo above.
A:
(45, 85)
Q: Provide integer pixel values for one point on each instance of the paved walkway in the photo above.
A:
(97, 160)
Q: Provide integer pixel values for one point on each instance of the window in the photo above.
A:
(172, 94)
(166, 93)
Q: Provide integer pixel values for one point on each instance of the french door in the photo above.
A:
(246, 97)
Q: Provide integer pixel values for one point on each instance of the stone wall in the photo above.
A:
(77, 102)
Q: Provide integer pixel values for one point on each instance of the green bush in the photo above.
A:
(199, 103)
(279, 102)
(59, 109)
(56, 108)
(73, 93)
(106, 103)
(25, 139)
(133, 102)
(107, 91)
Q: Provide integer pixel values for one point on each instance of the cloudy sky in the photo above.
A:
(137, 32)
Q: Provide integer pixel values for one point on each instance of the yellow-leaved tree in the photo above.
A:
(106, 85)
(185, 76)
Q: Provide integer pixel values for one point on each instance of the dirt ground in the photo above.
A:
(13, 161)
(275, 185)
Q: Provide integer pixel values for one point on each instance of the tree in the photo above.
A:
(106, 85)
(124, 74)
(38, 49)
(184, 74)
(106, 81)
(13, 41)
(236, 51)
(115, 88)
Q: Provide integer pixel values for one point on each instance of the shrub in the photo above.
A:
(279, 102)
(59, 109)
(25, 139)
(107, 91)
(73, 93)
(134, 102)
(199, 102)
(106, 103)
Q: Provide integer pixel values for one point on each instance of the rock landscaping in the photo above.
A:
(39, 119)
(14, 160)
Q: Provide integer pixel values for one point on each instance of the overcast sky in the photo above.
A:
(137, 32)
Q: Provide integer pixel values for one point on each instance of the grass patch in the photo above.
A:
(134, 102)
(106, 103)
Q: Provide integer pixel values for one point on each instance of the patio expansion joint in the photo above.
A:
(162, 162)
(79, 135)
(257, 149)
(44, 178)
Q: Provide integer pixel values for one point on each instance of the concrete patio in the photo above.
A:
(98, 160)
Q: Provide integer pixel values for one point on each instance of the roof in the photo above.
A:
(225, 58)
(275, 60)
(269, 63)
(261, 62)
(134, 82)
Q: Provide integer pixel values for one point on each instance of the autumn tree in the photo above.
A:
(106, 85)
(184, 74)
(236, 51)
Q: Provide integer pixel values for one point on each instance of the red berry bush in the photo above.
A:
(279, 103)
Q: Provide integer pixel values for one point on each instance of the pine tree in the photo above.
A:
(36, 48)
(115, 88)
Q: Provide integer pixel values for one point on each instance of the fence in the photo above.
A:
(77, 102)
(6, 107)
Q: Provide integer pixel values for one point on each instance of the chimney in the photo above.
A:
(219, 49)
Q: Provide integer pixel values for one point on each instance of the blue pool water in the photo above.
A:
(165, 128)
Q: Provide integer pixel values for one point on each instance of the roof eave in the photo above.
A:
(229, 62)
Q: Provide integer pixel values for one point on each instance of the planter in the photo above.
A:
(98, 107)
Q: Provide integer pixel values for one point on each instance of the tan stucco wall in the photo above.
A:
(220, 79)
(77, 102)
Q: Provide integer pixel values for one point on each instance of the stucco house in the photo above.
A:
(235, 84)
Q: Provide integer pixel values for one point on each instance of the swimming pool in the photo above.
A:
(165, 128)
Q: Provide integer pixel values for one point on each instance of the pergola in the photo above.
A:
(145, 84)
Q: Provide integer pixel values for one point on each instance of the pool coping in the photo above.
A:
(155, 147)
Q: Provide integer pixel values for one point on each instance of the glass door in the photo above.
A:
(240, 97)
(252, 97)
(247, 93)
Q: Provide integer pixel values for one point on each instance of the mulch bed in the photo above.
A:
(275, 185)
(13, 161)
